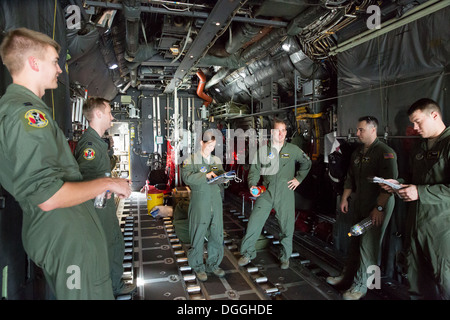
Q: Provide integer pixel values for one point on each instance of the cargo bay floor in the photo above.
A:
(156, 260)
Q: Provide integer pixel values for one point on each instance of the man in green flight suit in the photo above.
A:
(61, 232)
(276, 164)
(93, 158)
(371, 158)
(428, 195)
(205, 208)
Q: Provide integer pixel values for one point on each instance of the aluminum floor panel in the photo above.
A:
(162, 272)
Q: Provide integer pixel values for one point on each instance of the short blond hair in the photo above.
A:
(19, 43)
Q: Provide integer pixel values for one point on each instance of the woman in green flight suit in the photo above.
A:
(205, 208)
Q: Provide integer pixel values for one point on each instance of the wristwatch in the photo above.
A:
(380, 208)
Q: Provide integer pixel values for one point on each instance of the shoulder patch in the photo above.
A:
(186, 162)
(389, 155)
(36, 118)
(89, 154)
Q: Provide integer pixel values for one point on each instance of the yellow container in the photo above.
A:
(154, 198)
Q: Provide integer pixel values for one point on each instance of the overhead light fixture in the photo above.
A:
(113, 66)
(217, 89)
(286, 46)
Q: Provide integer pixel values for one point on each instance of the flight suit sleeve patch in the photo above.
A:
(36, 118)
(89, 154)
(389, 155)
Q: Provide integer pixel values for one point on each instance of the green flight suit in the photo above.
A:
(276, 169)
(205, 212)
(69, 244)
(92, 156)
(428, 221)
(379, 160)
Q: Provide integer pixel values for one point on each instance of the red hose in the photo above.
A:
(201, 87)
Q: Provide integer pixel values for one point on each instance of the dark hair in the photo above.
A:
(424, 104)
(370, 120)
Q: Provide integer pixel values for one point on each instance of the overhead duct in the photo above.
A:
(222, 73)
(274, 70)
(231, 62)
(201, 86)
(132, 13)
(144, 52)
(241, 36)
(266, 43)
(302, 63)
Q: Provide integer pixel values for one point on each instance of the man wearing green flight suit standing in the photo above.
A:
(61, 232)
(276, 164)
(205, 208)
(93, 158)
(428, 196)
(372, 158)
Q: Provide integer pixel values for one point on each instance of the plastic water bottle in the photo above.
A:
(100, 200)
(256, 191)
(361, 227)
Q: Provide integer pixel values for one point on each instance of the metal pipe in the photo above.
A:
(158, 111)
(418, 12)
(154, 124)
(193, 14)
(176, 134)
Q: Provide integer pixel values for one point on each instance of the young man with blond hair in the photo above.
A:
(61, 231)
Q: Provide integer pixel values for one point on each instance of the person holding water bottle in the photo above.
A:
(280, 180)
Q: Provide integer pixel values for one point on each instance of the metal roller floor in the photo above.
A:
(160, 268)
